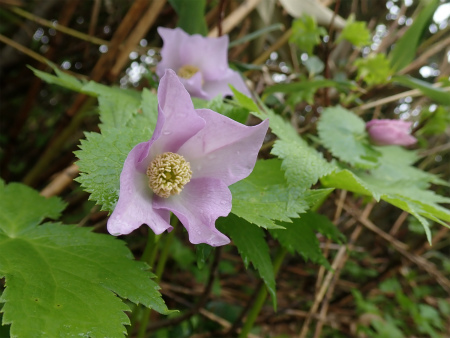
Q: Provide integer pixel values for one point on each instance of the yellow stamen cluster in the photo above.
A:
(168, 173)
(187, 71)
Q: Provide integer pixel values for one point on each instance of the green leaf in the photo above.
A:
(437, 94)
(264, 196)
(63, 280)
(203, 251)
(250, 242)
(302, 164)
(101, 159)
(374, 69)
(436, 122)
(344, 135)
(191, 15)
(300, 236)
(306, 34)
(310, 84)
(217, 104)
(117, 106)
(355, 32)
(61, 79)
(398, 183)
(405, 48)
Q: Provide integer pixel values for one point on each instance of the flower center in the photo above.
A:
(168, 173)
(187, 71)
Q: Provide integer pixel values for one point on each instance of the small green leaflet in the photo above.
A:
(62, 280)
(61, 79)
(249, 239)
(300, 236)
(374, 69)
(355, 32)
(306, 34)
(344, 135)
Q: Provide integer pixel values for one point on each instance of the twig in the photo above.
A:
(402, 249)
(58, 27)
(143, 26)
(412, 93)
(23, 49)
(60, 181)
(235, 17)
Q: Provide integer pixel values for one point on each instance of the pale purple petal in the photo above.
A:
(210, 55)
(201, 202)
(170, 52)
(221, 86)
(181, 121)
(224, 149)
(390, 132)
(194, 86)
(135, 198)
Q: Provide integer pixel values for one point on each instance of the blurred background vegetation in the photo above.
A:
(376, 290)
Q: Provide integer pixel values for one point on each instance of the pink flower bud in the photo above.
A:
(390, 132)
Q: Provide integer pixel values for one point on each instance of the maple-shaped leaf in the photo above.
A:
(63, 280)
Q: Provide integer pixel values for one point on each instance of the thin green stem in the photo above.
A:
(158, 272)
(148, 256)
(261, 297)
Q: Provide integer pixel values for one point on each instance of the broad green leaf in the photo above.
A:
(300, 236)
(405, 48)
(344, 135)
(355, 32)
(437, 94)
(101, 159)
(250, 242)
(314, 65)
(62, 280)
(116, 106)
(374, 69)
(61, 79)
(306, 34)
(264, 196)
(191, 15)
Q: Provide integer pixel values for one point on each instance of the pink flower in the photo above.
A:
(390, 132)
(201, 63)
(185, 168)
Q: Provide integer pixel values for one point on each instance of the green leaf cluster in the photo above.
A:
(62, 280)
(306, 34)
(374, 69)
(355, 32)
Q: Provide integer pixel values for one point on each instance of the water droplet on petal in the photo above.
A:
(223, 202)
(167, 132)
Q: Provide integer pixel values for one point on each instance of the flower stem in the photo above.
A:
(261, 297)
(148, 256)
(158, 272)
